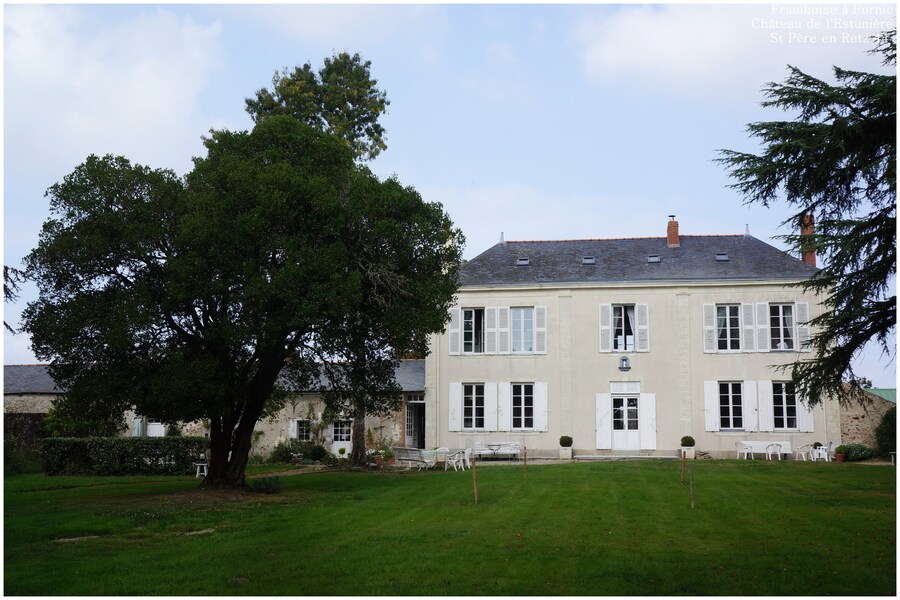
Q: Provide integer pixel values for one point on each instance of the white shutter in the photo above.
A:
(503, 330)
(490, 331)
(292, 429)
(541, 406)
(748, 328)
(647, 417)
(709, 328)
(606, 329)
(711, 404)
(766, 406)
(504, 406)
(804, 416)
(750, 406)
(540, 330)
(455, 404)
(490, 407)
(604, 421)
(762, 327)
(803, 332)
(455, 330)
(642, 316)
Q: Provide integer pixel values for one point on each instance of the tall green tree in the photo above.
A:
(186, 298)
(406, 293)
(407, 255)
(341, 99)
(835, 162)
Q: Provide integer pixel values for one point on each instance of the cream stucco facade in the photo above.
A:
(582, 389)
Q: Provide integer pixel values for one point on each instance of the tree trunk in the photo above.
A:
(358, 435)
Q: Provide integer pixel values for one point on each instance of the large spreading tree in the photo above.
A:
(835, 162)
(185, 298)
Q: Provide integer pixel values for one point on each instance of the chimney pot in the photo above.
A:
(672, 239)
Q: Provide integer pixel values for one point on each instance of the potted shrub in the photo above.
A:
(687, 446)
(389, 456)
(565, 447)
(840, 453)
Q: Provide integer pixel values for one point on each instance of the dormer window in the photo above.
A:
(523, 261)
(588, 260)
(653, 258)
(722, 257)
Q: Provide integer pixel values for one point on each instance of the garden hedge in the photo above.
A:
(122, 455)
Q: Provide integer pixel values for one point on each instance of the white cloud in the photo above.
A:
(348, 27)
(75, 87)
(717, 51)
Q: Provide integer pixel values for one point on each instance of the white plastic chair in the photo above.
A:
(457, 460)
(744, 449)
(773, 449)
(469, 458)
(803, 451)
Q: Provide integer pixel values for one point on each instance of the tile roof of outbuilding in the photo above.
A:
(625, 260)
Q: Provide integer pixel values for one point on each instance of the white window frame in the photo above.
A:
(522, 393)
(727, 421)
(732, 327)
(618, 322)
(522, 324)
(470, 405)
(342, 430)
(469, 336)
(779, 323)
(302, 426)
(784, 397)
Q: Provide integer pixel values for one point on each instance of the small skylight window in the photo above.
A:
(523, 261)
(588, 260)
(653, 258)
(722, 257)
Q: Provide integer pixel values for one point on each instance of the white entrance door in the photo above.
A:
(340, 438)
(626, 433)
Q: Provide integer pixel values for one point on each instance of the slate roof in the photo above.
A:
(28, 379)
(625, 260)
(35, 379)
(410, 376)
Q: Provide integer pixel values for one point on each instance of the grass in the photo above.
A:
(623, 528)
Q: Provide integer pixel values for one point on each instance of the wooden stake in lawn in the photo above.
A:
(474, 480)
(525, 451)
(682, 467)
(692, 486)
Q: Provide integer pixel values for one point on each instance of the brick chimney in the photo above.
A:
(807, 241)
(672, 239)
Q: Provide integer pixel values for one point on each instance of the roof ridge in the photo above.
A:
(654, 237)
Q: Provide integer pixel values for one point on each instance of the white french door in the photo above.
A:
(626, 434)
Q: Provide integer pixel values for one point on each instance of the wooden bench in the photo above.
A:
(493, 450)
(764, 447)
(411, 455)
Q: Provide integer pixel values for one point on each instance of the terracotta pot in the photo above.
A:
(840, 457)
(379, 459)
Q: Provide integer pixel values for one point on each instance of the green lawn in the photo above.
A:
(622, 528)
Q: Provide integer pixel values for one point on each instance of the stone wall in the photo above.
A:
(859, 419)
(28, 403)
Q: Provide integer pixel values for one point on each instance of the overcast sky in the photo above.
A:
(535, 121)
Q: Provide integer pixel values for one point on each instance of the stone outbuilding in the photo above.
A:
(860, 418)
